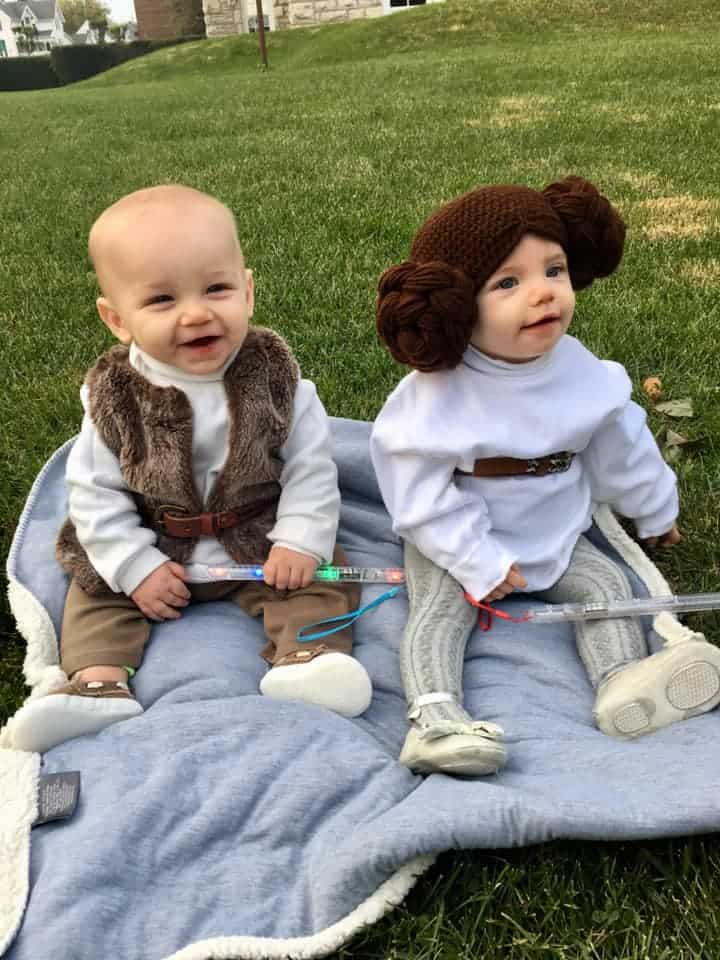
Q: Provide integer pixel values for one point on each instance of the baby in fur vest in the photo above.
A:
(200, 443)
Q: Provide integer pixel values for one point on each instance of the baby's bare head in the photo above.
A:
(154, 219)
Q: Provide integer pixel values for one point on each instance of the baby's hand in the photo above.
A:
(160, 593)
(287, 569)
(668, 539)
(513, 579)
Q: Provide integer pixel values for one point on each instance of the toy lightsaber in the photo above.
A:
(550, 613)
(199, 573)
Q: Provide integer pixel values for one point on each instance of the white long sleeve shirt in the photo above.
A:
(476, 528)
(109, 527)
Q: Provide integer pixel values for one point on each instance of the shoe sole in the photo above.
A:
(463, 754)
(691, 690)
(340, 685)
(48, 721)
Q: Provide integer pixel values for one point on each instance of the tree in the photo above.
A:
(118, 31)
(76, 12)
(261, 33)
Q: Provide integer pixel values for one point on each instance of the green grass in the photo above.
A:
(330, 161)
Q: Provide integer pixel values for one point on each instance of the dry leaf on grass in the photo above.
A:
(676, 408)
(674, 445)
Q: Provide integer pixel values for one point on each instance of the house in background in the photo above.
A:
(45, 15)
(8, 45)
(168, 19)
(85, 35)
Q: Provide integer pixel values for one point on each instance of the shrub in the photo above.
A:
(78, 63)
(27, 73)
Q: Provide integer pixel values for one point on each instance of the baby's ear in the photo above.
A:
(250, 291)
(111, 318)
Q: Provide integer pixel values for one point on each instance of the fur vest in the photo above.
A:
(150, 431)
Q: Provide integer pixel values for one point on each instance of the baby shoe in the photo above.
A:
(79, 707)
(332, 680)
(469, 754)
(678, 682)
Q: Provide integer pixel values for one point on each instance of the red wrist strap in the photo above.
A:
(486, 613)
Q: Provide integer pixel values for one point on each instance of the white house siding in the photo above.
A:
(8, 46)
(44, 14)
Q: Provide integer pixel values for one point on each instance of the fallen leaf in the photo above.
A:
(676, 408)
(672, 454)
(673, 439)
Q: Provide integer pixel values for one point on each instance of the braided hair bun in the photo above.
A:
(425, 314)
(596, 231)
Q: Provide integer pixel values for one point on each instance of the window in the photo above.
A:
(406, 3)
(3, 49)
(252, 23)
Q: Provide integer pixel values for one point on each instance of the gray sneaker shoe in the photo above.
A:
(680, 681)
(79, 707)
(468, 754)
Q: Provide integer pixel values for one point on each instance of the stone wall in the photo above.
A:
(302, 13)
(224, 17)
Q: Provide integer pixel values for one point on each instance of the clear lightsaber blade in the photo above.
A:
(642, 606)
(199, 573)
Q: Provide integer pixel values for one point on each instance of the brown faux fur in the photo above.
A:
(150, 431)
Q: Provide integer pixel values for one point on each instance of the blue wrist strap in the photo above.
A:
(345, 620)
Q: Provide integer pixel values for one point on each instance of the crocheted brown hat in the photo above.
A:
(427, 307)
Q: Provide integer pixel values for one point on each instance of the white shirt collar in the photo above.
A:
(481, 362)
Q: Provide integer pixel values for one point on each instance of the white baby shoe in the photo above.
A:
(332, 680)
(473, 754)
(77, 708)
(680, 681)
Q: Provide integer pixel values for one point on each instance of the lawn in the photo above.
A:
(330, 161)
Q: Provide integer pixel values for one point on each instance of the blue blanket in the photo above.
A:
(221, 823)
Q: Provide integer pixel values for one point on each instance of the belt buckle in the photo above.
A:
(560, 462)
(223, 521)
(175, 512)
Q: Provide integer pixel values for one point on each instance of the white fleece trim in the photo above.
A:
(387, 896)
(18, 802)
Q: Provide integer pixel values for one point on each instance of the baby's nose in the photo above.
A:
(196, 312)
(542, 293)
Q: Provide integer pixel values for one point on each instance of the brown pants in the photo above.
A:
(112, 631)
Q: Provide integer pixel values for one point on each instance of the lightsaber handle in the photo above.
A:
(200, 573)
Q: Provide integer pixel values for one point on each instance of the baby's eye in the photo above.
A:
(555, 270)
(507, 283)
(218, 287)
(159, 298)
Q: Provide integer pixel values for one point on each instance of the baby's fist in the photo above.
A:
(287, 569)
(668, 539)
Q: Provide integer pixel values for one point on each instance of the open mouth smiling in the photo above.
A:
(200, 342)
(542, 322)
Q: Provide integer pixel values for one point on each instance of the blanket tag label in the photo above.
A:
(57, 796)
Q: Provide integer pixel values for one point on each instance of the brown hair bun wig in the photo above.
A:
(426, 307)
(596, 231)
(425, 314)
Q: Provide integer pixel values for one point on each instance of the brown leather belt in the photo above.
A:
(209, 524)
(510, 467)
